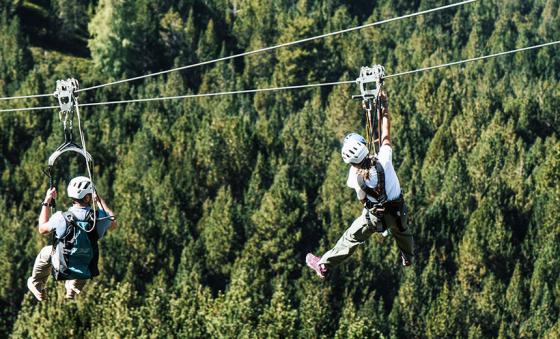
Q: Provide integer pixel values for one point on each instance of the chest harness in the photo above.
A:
(378, 192)
(381, 204)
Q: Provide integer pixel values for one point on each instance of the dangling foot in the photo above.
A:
(39, 295)
(313, 262)
(71, 293)
(406, 261)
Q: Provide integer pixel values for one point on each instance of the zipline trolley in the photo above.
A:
(369, 77)
(68, 102)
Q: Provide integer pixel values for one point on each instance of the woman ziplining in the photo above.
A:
(375, 181)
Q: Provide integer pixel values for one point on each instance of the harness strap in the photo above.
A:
(378, 224)
(71, 220)
(71, 225)
(378, 192)
(396, 208)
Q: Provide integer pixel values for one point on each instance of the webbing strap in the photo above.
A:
(378, 193)
(72, 219)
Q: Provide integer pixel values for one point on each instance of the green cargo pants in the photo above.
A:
(362, 228)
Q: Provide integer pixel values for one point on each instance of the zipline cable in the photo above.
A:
(280, 45)
(377, 23)
(28, 109)
(319, 84)
(471, 59)
(88, 167)
(291, 87)
(219, 93)
(27, 96)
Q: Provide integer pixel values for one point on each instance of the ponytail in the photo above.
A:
(365, 166)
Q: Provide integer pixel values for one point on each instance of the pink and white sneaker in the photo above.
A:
(313, 262)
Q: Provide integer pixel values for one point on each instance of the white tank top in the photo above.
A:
(392, 185)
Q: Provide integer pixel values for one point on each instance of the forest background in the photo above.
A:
(219, 199)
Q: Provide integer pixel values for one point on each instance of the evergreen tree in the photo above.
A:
(71, 16)
(16, 58)
(278, 320)
(178, 37)
(219, 231)
(124, 37)
(208, 44)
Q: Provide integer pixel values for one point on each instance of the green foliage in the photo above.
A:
(278, 320)
(277, 234)
(178, 36)
(121, 32)
(219, 199)
(208, 45)
(355, 324)
(14, 53)
(70, 13)
(219, 232)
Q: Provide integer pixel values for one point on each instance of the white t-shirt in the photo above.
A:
(57, 223)
(392, 185)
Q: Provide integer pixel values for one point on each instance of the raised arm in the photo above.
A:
(45, 213)
(102, 204)
(385, 119)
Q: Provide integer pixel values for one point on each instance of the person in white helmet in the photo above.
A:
(82, 192)
(376, 184)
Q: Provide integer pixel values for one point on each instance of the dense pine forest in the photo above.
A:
(219, 199)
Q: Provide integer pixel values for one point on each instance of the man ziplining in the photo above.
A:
(75, 252)
(376, 184)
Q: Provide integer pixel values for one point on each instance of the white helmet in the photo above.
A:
(355, 136)
(79, 187)
(353, 149)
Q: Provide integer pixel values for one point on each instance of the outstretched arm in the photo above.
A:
(385, 119)
(102, 204)
(45, 213)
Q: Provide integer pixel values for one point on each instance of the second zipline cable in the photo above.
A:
(296, 86)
